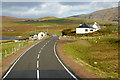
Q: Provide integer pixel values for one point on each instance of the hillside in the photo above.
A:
(110, 14)
(49, 17)
(7, 18)
(13, 27)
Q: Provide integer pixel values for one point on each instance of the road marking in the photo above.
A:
(38, 75)
(38, 61)
(41, 48)
(37, 64)
(40, 51)
(18, 60)
(45, 44)
(48, 41)
(62, 63)
(38, 56)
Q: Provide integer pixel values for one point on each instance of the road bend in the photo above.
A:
(39, 62)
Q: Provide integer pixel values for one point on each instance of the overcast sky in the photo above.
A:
(56, 9)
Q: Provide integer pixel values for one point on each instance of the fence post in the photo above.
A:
(12, 50)
(19, 46)
(15, 49)
(5, 53)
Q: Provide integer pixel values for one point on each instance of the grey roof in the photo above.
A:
(84, 26)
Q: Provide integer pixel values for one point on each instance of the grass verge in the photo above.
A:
(99, 56)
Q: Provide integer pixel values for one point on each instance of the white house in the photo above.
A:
(41, 35)
(85, 28)
(38, 36)
(35, 37)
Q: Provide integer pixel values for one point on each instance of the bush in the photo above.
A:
(66, 32)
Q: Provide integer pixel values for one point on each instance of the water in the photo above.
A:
(9, 38)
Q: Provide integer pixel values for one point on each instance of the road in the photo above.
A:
(40, 62)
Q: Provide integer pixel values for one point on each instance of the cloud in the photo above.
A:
(57, 9)
(60, 0)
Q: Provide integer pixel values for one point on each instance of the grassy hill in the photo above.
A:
(14, 27)
(7, 18)
(106, 14)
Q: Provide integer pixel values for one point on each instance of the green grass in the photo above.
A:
(79, 46)
(9, 46)
(104, 52)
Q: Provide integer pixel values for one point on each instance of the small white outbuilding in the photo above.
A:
(41, 35)
(96, 26)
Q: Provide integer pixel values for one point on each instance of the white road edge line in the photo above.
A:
(18, 59)
(37, 64)
(62, 63)
(38, 75)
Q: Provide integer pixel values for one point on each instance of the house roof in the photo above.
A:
(84, 26)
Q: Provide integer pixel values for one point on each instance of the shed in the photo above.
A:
(96, 26)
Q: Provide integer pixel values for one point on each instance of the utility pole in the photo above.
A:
(35, 30)
(47, 30)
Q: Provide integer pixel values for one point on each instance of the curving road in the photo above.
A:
(39, 62)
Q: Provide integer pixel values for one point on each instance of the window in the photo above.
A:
(86, 30)
(91, 30)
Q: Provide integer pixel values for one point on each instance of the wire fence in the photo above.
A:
(13, 49)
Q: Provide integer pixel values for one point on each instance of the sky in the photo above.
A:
(56, 9)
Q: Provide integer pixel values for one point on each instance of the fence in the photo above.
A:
(13, 49)
(81, 38)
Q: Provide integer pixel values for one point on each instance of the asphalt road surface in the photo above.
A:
(40, 62)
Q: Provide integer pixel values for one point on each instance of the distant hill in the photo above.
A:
(6, 18)
(49, 17)
(110, 14)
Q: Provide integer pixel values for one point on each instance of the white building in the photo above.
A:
(41, 35)
(96, 26)
(35, 37)
(85, 28)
